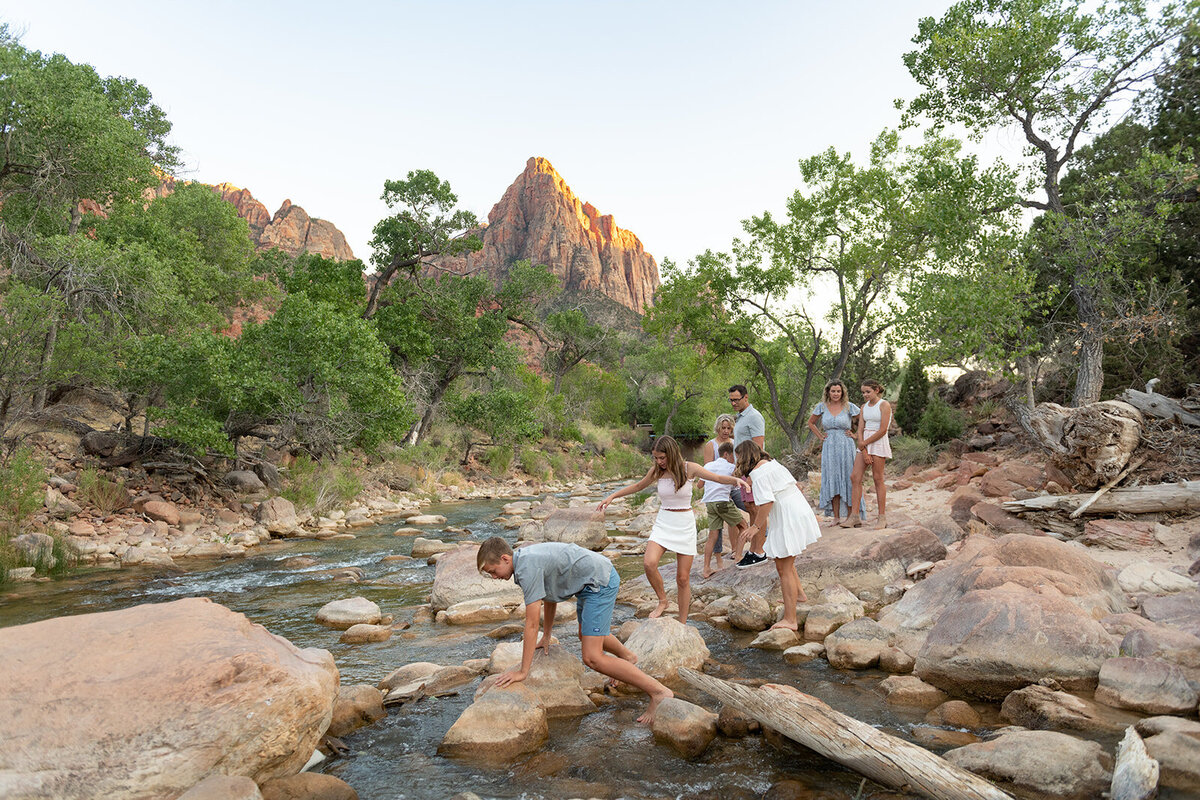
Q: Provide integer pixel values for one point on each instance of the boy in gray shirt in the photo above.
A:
(551, 572)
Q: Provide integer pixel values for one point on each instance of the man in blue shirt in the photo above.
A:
(748, 425)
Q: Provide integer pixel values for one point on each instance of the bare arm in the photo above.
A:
(812, 426)
(630, 489)
(761, 511)
(528, 647)
(697, 471)
(548, 610)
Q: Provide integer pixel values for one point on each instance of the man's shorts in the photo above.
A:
(594, 606)
(736, 496)
(722, 512)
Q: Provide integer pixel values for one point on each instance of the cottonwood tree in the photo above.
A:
(1056, 72)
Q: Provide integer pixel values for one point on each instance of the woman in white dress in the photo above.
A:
(873, 450)
(779, 503)
(675, 526)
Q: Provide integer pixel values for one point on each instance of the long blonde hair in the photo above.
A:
(675, 463)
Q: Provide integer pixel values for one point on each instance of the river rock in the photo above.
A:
(553, 679)
(776, 639)
(163, 511)
(34, 547)
(802, 654)
(1011, 476)
(1165, 644)
(244, 480)
(225, 694)
(516, 507)
(278, 515)
(498, 727)
(909, 690)
(545, 508)
(993, 641)
(581, 526)
(308, 786)
(896, 660)
(223, 787)
(1052, 763)
(664, 645)
(954, 714)
(857, 644)
(1178, 756)
(908, 545)
(750, 612)
(58, 505)
(343, 614)
(365, 634)
(733, 724)
(458, 579)
(1145, 578)
(423, 548)
(835, 606)
(1039, 707)
(473, 612)
(356, 706)
(423, 677)
(426, 519)
(687, 728)
(1180, 610)
(1146, 685)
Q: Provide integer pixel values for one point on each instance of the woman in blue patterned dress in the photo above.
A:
(835, 416)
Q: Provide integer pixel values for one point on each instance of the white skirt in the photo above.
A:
(791, 526)
(675, 531)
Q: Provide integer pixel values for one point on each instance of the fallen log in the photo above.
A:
(1104, 489)
(1161, 406)
(1183, 496)
(1135, 776)
(881, 757)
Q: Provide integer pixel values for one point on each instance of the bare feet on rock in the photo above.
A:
(655, 699)
(662, 608)
(784, 625)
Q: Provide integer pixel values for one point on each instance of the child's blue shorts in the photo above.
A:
(594, 607)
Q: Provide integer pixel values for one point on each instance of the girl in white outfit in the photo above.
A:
(873, 449)
(675, 527)
(780, 503)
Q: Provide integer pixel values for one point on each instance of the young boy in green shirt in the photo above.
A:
(551, 572)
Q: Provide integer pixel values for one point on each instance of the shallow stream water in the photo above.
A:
(604, 754)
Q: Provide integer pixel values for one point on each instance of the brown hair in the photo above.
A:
(490, 552)
(675, 462)
(748, 455)
(830, 385)
(874, 384)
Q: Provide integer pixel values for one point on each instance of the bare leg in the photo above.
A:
(654, 553)
(877, 466)
(856, 478)
(683, 584)
(760, 537)
(622, 670)
(737, 538)
(613, 645)
(708, 554)
(789, 583)
(837, 508)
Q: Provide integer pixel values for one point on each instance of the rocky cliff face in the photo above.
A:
(291, 229)
(540, 219)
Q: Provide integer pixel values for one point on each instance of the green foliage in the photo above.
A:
(498, 459)
(594, 395)
(502, 414)
(338, 283)
(940, 423)
(21, 479)
(102, 494)
(322, 486)
(534, 463)
(912, 450)
(914, 395)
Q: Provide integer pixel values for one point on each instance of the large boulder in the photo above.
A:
(553, 679)
(356, 706)
(498, 727)
(993, 641)
(458, 579)
(344, 614)
(1051, 763)
(582, 526)
(1146, 685)
(664, 645)
(278, 515)
(750, 612)
(189, 689)
(857, 644)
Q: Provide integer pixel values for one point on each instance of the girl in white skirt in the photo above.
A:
(781, 505)
(675, 526)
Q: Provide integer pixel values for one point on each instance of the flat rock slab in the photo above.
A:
(1053, 763)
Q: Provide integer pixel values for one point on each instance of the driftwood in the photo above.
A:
(1103, 489)
(1135, 776)
(881, 757)
(1183, 496)
(1161, 406)
(1090, 444)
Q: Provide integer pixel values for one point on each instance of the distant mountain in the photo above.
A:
(541, 220)
(291, 229)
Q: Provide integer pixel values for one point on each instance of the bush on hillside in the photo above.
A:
(940, 423)
(914, 396)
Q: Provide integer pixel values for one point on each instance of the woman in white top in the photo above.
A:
(780, 503)
(675, 526)
(873, 449)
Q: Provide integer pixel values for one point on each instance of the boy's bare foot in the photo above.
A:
(655, 699)
(662, 607)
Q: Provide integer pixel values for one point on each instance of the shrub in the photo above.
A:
(940, 423)
(909, 450)
(621, 461)
(102, 494)
(498, 459)
(534, 464)
(914, 396)
(21, 478)
(322, 486)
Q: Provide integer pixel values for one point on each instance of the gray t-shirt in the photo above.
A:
(748, 424)
(557, 571)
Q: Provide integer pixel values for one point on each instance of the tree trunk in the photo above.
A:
(884, 759)
(39, 394)
(1183, 496)
(1161, 406)
(1089, 377)
(421, 427)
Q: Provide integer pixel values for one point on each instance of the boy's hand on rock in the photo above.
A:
(511, 676)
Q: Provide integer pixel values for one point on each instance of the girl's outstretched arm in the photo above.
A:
(696, 471)
(630, 489)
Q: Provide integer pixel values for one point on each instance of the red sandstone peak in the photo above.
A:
(540, 219)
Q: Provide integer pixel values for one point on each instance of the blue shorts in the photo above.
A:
(736, 496)
(594, 606)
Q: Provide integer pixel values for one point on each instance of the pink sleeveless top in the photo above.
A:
(669, 498)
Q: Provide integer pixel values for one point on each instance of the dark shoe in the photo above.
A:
(749, 560)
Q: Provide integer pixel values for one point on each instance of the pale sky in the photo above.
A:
(680, 119)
